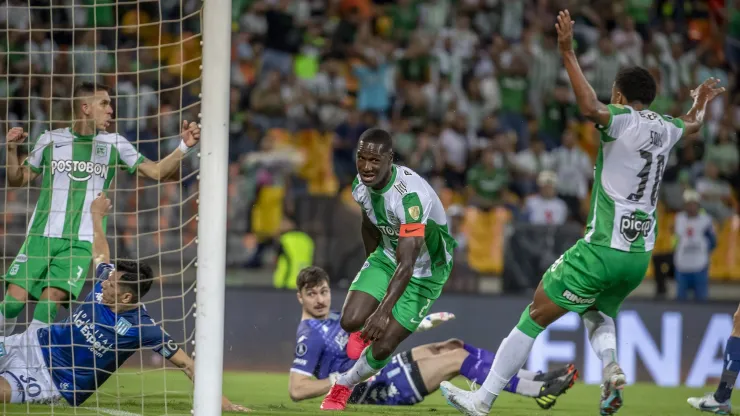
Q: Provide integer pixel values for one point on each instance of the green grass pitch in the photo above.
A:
(131, 394)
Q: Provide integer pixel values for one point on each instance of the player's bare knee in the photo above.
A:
(538, 315)
(351, 321)
(17, 292)
(55, 294)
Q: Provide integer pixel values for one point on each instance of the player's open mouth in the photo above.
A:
(367, 177)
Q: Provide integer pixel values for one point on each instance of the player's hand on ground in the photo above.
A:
(190, 133)
(434, 320)
(707, 91)
(564, 27)
(15, 136)
(101, 206)
(375, 325)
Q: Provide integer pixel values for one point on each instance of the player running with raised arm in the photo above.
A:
(594, 276)
(73, 358)
(76, 163)
(409, 249)
(411, 375)
(719, 402)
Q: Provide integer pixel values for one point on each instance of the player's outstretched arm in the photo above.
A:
(702, 95)
(588, 102)
(303, 387)
(99, 209)
(170, 165)
(18, 175)
(182, 361)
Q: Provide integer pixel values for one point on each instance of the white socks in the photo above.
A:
(510, 357)
(7, 325)
(529, 388)
(603, 336)
(359, 372)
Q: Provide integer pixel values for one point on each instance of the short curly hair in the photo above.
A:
(637, 85)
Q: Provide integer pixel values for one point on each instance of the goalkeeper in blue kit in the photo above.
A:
(69, 360)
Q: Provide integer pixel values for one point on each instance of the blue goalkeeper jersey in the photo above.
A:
(85, 349)
(320, 348)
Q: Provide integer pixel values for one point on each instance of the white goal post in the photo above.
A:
(209, 325)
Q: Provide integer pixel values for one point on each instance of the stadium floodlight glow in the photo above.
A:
(152, 54)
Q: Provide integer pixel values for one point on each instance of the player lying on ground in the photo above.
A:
(85, 349)
(409, 258)
(411, 375)
(719, 401)
(76, 163)
(594, 276)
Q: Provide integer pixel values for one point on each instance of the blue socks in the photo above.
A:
(476, 366)
(730, 371)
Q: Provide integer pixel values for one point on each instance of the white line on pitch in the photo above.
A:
(113, 412)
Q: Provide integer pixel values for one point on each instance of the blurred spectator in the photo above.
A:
(558, 110)
(602, 64)
(724, 153)
(282, 38)
(530, 163)
(455, 219)
(372, 94)
(695, 240)
(545, 208)
(716, 194)
(574, 170)
(488, 180)
(268, 103)
(455, 145)
(345, 142)
(295, 251)
(426, 158)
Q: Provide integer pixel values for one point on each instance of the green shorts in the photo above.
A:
(415, 301)
(51, 262)
(589, 275)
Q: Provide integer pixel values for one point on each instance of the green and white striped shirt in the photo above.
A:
(629, 168)
(74, 170)
(408, 199)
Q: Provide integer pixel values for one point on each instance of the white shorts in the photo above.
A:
(22, 364)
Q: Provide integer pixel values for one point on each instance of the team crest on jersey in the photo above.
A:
(101, 149)
(122, 326)
(414, 212)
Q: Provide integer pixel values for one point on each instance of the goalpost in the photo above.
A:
(167, 61)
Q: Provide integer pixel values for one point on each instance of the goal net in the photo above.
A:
(149, 53)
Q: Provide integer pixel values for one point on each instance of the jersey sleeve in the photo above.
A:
(413, 212)
(620, 119)
(35, 159)
(308, 351)
(674, 128)
(154, 337)
(128, 156)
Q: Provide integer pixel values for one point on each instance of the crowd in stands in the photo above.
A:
(473, 91)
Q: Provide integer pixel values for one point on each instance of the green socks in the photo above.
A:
(46, 311)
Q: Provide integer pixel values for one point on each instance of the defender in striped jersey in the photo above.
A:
(409, 249)
(75, 163)
(594, 276)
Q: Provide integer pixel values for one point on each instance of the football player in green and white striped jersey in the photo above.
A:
(594, 276)
(75, 164)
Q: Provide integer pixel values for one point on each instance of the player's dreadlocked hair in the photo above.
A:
(311, 276)
(637, 85)
(137, 277)
(379, 137)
